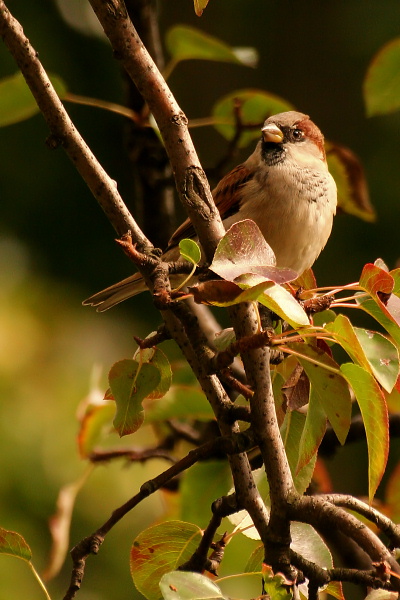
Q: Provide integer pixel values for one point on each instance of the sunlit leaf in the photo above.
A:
(382, 81)
(190, 250)
(253, 107)
(375, 418)
(348, 173)
(242, 250)
(396, 278)
(130, 384)
(281, 302)
(375, 280)
(185, 43)
(157, 358)
(380, 313)
(159, 550)
(199, 6)
(382, 356)
(328, 386)
(369, 349)
(14, 544)
(204, 481)
(181, 585)
(16, 100)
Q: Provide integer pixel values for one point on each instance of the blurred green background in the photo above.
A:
(56, 247)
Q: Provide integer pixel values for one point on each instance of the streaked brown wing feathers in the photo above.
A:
(227, 198)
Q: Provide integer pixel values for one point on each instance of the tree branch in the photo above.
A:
(64, 132)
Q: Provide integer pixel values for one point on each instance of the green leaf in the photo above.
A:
(13, 543)
(190, 251)
(313, 431)
(185, 43)
(292, 431)
(281, 302)
(375, 418)
(159, 550)
(130, 384)
(396, 278)
(380, 313)
(348, 173)
(382, 80)
(382, 356)
(16, 100)
(328, 386)
(156, 357)
(248, 585)
(369, 349)
(204, 481)
(181, 585)
(254, 107)
(182, 401)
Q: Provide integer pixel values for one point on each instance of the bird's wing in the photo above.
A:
(227, 198)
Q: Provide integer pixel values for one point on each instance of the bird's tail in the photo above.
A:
(117, 293)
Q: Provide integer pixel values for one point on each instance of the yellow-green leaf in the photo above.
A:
(184, 43)
(253, 107)
(375, 418)
(159, 550)
(130, 384)
(382, 81)
(16, 100)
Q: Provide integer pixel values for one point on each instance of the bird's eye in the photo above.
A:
(297, 134)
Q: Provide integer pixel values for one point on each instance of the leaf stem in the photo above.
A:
(311, 360)
(39, 580)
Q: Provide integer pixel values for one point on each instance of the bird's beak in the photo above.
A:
(272, 133)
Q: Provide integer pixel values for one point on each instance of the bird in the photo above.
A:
(284, 187)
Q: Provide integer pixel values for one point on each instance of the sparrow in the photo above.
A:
(284, 186)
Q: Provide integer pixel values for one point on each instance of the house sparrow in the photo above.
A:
(284, 186)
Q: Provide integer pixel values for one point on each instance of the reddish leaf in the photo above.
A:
(243, 250)
(375, 280)
(14, 544)
(375, 417)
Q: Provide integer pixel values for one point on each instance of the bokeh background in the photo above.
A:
(56, 247)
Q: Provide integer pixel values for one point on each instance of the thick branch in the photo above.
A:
(191, 182)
